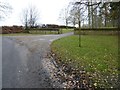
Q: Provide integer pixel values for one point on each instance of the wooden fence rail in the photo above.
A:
(47, 29)
(99, 29)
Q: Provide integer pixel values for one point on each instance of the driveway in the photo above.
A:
(25, 63)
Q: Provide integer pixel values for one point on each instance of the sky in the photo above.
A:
(49, 11)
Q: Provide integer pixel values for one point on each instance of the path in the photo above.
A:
(25, 63)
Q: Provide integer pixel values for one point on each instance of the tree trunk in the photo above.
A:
(105, 15)
(92, 15)
(88, 14)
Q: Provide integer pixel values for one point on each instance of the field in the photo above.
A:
(67, 30)
(97, 55)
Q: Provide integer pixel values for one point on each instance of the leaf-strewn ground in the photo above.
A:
(98, 56)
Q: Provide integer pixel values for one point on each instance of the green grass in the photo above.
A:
(67, 30)
(98, 56)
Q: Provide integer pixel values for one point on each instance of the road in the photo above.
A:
(25, 63)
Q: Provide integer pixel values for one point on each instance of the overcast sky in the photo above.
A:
(49, 11)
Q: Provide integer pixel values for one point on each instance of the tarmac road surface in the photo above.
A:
(25, 63)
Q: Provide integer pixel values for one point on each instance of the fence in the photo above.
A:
(47, 30)
(96, 31)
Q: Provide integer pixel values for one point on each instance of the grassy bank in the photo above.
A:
(98, 56)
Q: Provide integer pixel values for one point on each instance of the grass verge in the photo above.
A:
(67, 30)
(98, 56)
(37, 32)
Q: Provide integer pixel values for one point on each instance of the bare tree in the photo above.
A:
(89, 23)
(96, 13)
(73, 19)
(75, 15)
(34, 16)
(4, 9)
(64, 15)
(24, 18)
(30, 16)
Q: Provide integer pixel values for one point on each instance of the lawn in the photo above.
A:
(67, 30)
(98, 56)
